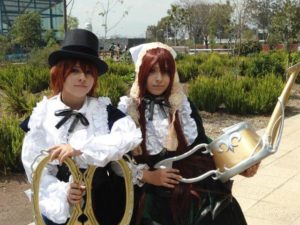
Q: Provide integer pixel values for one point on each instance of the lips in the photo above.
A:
(80, 86)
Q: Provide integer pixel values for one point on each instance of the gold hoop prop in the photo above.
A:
(85, 178)
(240, 147)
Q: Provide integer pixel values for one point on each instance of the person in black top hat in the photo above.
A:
(74, 123)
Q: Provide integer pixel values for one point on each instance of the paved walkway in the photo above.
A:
(272, 197)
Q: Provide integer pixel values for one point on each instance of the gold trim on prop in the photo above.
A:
(86, 178)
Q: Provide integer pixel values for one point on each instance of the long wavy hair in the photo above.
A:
(60, 71)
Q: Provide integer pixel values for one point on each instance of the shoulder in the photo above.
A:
(124, 103)
(96, 104)
(38, 113)
(103, 106)
(186, 106)
(202, 138)
(114, 114)
(103, 101)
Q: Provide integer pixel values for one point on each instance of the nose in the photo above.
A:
(82, 77)
(158, 77)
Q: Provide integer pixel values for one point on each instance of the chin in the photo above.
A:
(157, 93)
(80, 95)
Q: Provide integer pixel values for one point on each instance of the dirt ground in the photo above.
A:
(15, 208)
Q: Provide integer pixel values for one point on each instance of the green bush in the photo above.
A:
(250, 95)
(19, 85)
(235, 94)
(187, 70)
(120, 69)
(265, 63)
(17, 101)
(264, 94)
(213, 66)
(25, 77)
(248, 47)
(38, 57)
(295, 58)
(112, 86)
(240, 95)
(206, 93)
(10, 143)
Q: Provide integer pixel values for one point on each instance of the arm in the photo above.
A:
(101, 149)
(52, 192)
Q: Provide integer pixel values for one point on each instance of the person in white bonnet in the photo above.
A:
(170, 126)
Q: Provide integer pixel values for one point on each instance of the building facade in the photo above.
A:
(51, 11)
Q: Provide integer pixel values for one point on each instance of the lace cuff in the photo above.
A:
(137, 173)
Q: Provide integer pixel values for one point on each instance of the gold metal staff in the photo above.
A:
(78, 177)
(240, 147)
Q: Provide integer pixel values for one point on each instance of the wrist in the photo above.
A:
(146, 175)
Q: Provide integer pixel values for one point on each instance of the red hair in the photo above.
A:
(60, 71)
(166, 64)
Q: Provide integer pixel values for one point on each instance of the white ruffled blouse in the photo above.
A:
(98, 145)
(157, 129)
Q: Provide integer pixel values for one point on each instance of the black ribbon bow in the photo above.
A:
(67, 114)
(152, 100)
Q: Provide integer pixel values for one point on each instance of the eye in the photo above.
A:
(166, 74)
(152, 71)
(75, 70)
(88, 72)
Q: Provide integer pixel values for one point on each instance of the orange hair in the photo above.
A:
(60, 71)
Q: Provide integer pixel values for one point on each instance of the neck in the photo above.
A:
(72, 101)
(153, 96)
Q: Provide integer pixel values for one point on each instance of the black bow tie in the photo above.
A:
(151, 101)
(67, 114)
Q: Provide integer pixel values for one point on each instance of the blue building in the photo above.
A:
(51, 11)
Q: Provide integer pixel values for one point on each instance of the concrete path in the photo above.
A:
(272, 197)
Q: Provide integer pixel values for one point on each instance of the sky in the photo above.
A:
(141, 14)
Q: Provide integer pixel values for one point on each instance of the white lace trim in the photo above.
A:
(100, 115)
(157, 129)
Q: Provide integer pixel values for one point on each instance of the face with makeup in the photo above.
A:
(78, 83)
(158, 81)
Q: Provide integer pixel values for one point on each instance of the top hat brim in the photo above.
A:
(56, 56)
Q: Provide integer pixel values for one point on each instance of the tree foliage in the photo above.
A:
(239, 21)
(5, 45)
(285, 22)
(72, 22)
(177, 21)
(27, 30)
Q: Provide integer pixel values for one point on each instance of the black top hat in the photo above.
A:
(79, 44)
